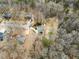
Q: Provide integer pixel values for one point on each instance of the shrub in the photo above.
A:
(46, 42)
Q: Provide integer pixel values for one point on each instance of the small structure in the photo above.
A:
(39, 27)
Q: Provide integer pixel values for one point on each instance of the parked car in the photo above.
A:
(1, 36)
(2, 31)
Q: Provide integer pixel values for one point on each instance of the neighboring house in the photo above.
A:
(7, 15)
